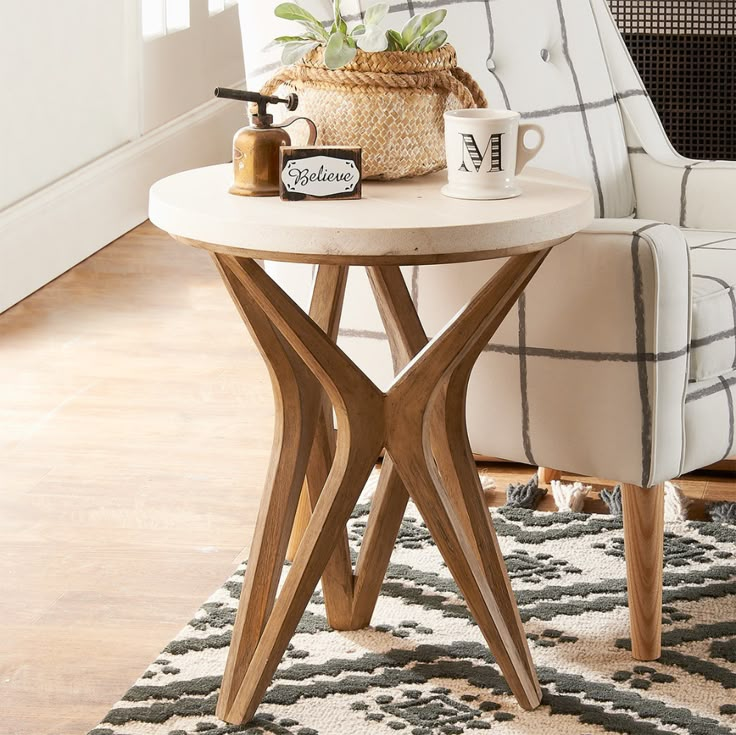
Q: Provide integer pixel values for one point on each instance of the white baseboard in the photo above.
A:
(52, 230)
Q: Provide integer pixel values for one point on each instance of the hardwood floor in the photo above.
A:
(135, 429)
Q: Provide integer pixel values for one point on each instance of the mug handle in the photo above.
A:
(524, 154)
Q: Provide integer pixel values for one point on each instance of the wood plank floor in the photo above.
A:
(135, 425)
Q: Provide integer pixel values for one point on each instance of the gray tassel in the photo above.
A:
(612, 498)
(528, 495)
(722, 512)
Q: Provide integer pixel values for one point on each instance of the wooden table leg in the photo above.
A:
(405, 422)
(337, 580)
(381, 531)
(430, 448)
(325, 309)
(359, 411)
(301, 521)
(293, 409)
(456, 466)
(406, 338)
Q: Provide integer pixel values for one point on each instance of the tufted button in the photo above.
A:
(490, 64)
(544, 53)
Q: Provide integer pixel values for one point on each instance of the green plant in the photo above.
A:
(341, 43)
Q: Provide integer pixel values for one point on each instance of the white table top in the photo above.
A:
(406, 221)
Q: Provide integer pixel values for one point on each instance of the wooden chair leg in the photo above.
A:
(643, 510)
(547, 474)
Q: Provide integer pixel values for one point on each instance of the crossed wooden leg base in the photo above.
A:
(420, 422)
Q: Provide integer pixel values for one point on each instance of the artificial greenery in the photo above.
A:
(341, 43)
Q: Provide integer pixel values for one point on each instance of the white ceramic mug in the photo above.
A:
(485, 152)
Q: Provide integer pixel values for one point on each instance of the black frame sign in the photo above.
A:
(320, 172)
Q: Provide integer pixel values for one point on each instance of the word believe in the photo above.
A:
(320, 172)
(302, 177)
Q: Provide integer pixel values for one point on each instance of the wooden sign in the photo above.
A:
(320, 172)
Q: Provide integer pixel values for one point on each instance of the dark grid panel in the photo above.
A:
(685, 51)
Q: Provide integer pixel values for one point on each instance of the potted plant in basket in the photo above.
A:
(342, 43)
(383, 90)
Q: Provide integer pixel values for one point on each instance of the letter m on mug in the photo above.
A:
(490, 158)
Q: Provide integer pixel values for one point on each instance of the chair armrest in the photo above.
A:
(685, 192)
(589, 374)
(642, 328)
(669, 187)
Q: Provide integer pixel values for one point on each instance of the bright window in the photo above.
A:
(160, 17)
(217, 6)
(153, 18)
(177, 15)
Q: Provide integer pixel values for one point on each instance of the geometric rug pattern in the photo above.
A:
(423, 667)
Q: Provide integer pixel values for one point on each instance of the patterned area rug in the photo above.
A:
(423, 667)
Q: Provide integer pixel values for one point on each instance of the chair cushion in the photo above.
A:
(713, 341)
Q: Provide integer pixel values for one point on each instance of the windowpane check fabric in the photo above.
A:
(620, 360)
(713, 256)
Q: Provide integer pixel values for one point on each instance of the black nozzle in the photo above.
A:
(291, 101)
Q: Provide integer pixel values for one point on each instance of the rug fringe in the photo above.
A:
(525, 495)
(487, 482)
(676, 503)
(722, 512)
(570, 497)
(612, 498)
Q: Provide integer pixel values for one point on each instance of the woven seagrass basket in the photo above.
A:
(390, 103)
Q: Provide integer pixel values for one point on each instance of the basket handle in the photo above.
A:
(471, 85)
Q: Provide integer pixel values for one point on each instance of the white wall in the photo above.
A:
(91, 115)
(181, 70)
(68, 88)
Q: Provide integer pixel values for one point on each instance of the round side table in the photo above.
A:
(419, 421)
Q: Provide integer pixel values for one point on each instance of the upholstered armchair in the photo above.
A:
(620, 361)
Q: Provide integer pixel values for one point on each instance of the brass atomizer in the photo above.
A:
(256, 147)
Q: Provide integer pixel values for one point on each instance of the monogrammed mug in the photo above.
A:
(485, 152)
